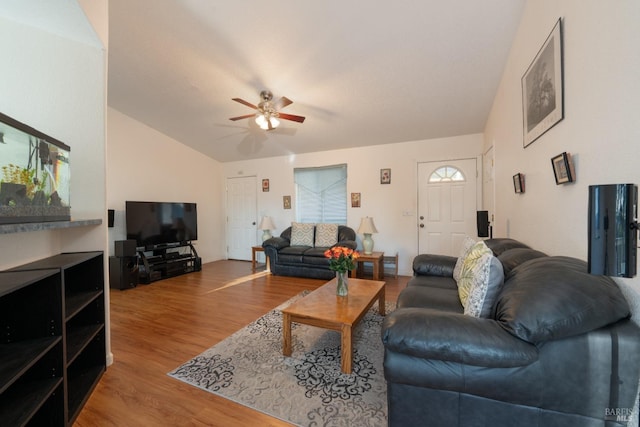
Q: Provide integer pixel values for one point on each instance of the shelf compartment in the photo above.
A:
(17, 358)
(84, 373)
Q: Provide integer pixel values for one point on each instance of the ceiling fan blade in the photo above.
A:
(246, 116)
(242, 101)
(291, 117)
(282, 102)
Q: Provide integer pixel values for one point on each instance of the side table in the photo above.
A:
(376, 258)
(254, 250)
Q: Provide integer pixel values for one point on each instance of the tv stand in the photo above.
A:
(164, 261)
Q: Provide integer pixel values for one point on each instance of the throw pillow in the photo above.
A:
(326, 235)
(302, 234)
(485, 287)
(467, 244)
(471, 267)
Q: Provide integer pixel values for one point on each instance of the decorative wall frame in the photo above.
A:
(518, 183)
(265, 185)
(355, 200)
(542, 88)
(563, 168)
(286, 202)
(385, 176)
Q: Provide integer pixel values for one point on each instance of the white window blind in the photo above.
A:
(321, 194)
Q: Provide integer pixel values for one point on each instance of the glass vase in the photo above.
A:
(342, 288)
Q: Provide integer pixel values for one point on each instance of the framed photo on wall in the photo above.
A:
(385, 176)
(265, 185)
(518, 183)
(286, 202)
(355, 200)
(563, 168)
(542, 88)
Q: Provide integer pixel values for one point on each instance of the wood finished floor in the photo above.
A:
(155, 328)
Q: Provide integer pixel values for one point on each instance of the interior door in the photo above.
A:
(241, 217)
(446, 205)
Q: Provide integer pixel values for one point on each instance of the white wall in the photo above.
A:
(385, 203)
(54, 80)
(600, 128)
(146, 165)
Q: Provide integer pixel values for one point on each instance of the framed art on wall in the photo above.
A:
(286, 202)
(355, 200)
(265, 185)
(563, 168)
(542, 88)
(518, 183)
(385, 176)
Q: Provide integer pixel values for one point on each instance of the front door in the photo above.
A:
(446, 205)
(241, 217)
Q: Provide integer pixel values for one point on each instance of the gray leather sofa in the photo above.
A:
(558, 350)
(303, 261)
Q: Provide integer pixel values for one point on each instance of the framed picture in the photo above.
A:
(385, 176)
(355, 200)
(563, 168)
(542, 88)
(265, 185)
(518, 183)
(286, 202)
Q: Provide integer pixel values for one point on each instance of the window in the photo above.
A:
(447, 174)
(321, 194)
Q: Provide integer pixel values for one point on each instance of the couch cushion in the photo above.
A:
(512, 258)
(550, 298)
(467, 244)
(434, 282)
(485, 287)
(326, 235)
(501, 244)
(427, 297)
(302, 234)
(471, 269)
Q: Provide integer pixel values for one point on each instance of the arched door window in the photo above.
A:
(447, 174)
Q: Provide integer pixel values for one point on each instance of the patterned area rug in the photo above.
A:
(306, 389)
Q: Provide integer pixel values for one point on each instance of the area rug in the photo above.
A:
(306, 389)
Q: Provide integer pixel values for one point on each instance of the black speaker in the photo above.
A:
(123, 272)
(125, 248)
(613, 233)
(482, 220)
(110, 217)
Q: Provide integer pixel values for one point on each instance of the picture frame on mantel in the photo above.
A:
(543, 88)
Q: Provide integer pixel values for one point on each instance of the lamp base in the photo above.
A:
(266, 235)
(367, 244)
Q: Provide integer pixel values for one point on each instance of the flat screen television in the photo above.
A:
(153, 224)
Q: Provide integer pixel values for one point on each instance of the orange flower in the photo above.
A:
(341, 258)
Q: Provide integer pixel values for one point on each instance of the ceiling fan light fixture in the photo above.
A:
(263, 121)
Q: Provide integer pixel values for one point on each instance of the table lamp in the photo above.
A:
(367, 228)
(266, 225)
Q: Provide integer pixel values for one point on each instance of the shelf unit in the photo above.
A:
(167, 261)
(53, 325)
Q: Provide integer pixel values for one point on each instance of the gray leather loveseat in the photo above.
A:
(557, 349)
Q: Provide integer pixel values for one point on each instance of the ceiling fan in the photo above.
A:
(268, 111)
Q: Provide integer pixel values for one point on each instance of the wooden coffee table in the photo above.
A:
(324, 309)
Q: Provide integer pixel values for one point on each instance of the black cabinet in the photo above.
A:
(52, 352)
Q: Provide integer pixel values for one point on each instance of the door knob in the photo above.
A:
(253, 223)
(421, 217)
(421, 225)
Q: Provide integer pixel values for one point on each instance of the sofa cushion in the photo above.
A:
(302, 234)
(550, 298)
(425, 297)
(512, 258)
(467, 244)
(485, 287)
(502, 244)
(326, 235)
(472, 270)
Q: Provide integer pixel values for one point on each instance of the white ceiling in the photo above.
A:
(362, 72)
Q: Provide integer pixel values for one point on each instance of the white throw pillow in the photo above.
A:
(302, 234)
(485, 287)
(467, 244)
(471, 267)
(326, 235)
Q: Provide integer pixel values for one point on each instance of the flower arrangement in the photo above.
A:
(341, 259)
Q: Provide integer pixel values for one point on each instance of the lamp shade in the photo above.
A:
(266, 223)
(367, 226)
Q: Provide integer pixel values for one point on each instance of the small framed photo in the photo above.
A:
(385, 176)
(355, 200)
(518, 183)
(265, 185)
(563, 168)
(286, 202)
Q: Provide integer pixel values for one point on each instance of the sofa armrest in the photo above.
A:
(351, 244)
(434, 265)
(276, 242)
(454, 337)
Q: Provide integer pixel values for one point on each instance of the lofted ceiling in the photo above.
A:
(363, 73)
